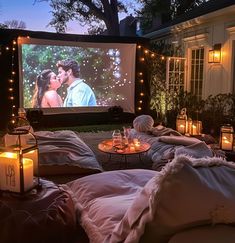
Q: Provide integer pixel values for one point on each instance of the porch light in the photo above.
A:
(215, 54)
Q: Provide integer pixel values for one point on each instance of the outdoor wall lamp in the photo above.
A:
(215, 54)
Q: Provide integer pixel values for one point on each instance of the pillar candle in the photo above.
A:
(10, 172)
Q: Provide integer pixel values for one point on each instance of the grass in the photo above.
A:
(90, 128)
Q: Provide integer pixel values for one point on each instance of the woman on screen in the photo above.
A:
(45, 94)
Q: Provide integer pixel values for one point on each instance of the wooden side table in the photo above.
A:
(106, 146)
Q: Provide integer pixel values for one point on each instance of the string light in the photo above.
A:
(11, 80)
(145, 54)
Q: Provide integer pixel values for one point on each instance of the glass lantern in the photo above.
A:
(226, 137)
(196, 128)
(181, 122)
(19, 158)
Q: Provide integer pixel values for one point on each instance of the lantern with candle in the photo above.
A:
(181, 121)
(196, 128)
(19, 159)
(226, 137)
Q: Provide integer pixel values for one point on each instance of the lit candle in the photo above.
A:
(226, 137)
(132, 148)
(137, 145)
(194, 130)
(227, 143)
(181, 128)
(10, 172)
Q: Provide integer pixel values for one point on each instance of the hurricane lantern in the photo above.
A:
(19, 158)
(226, 137)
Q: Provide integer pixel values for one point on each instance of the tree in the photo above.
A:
(15, 24)
(168, 9)
(98, 14)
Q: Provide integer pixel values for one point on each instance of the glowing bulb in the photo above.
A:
(142, 59)
(139, 108)
(162, 57)
(152, 55)
(139, 46)
(146, 51)
(140, 73)
(141, 81)
(141, 94)
(140, 101)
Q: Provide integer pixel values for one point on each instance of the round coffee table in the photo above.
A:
(106, 146)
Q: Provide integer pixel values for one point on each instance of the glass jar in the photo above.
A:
(117, 139)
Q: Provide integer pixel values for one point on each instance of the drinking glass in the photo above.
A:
(126, 131)
(117, 139)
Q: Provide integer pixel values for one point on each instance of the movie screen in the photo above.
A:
(59, 76)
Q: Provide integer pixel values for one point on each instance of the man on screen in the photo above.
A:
(78, 92)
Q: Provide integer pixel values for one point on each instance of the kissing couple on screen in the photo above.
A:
(47, 83)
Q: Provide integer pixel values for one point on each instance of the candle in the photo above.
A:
(227, 143)
(33, 155)
(194, 130)
(181, 128)
(132, 148)
(10, 172)
(226, 137)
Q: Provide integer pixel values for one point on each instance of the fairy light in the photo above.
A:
(11, 80)
(142, 59)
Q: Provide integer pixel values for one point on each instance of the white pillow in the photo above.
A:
(143, 123)
(186, 193)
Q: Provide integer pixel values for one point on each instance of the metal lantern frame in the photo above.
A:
(22, 151)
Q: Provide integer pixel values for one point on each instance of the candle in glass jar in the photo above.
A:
(10, 172)
(226, 143)
(181, 128)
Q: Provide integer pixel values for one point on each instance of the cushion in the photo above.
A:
(186, 193)
(102, 199)
(46, 216)
(143, 123)
(206, 234)
(63, 152)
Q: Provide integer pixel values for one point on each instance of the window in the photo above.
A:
(175, 74)
(196, 77)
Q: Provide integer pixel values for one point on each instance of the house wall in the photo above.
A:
(204, 32)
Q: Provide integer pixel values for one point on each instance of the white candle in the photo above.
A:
(10, 172)
(194, 130)
(33, 154)
(181, 128)
(227, 143)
